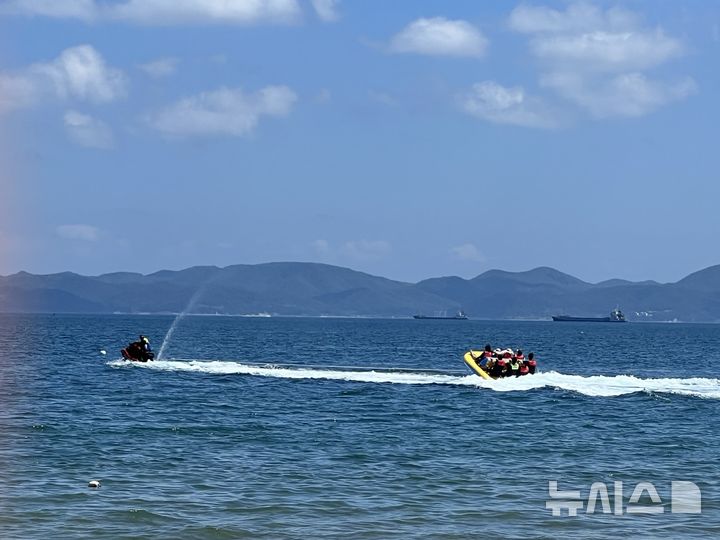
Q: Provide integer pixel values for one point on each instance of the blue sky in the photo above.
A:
(408, 139)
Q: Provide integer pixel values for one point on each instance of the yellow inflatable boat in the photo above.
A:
(471, 359)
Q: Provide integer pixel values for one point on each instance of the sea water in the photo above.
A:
(352, 428)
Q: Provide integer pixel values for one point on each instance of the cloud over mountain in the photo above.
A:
(86, 233)
(365, 250)
(468, 252)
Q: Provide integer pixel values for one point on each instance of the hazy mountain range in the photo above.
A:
(320, 289)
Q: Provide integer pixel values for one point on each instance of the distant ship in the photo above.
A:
(459, 316)
(615, 316)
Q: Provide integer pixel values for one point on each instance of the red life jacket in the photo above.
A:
(520, 357)
(524, 369)
(488, 354)
(532, 363)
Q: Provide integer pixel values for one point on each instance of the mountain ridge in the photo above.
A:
(302, 288)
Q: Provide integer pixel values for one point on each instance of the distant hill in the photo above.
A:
(319, 289)
(279, 288)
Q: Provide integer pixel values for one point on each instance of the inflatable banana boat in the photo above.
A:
(471, 359)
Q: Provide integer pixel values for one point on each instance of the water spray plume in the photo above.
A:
(179, 317)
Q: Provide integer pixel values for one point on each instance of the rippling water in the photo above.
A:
(327, 428)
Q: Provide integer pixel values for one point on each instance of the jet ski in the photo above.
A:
(136, 353)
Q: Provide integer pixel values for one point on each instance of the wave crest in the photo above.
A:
(594, 385)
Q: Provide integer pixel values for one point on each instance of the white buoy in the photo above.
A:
(103, 352)
(94, 484)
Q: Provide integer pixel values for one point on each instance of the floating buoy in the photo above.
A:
(103, 352)
(94, 484)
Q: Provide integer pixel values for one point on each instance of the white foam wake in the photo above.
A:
(595, 385)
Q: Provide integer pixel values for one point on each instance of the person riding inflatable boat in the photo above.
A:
(499, 363)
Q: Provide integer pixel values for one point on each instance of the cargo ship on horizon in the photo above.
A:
(615, 316)
(459, 316)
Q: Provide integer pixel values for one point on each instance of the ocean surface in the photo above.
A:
(353, 428)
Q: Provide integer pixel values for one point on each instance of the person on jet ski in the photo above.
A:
(139, 345)
(140, 349)
(144, 344)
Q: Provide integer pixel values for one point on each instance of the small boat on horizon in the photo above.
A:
(459, 316)
(615, 316)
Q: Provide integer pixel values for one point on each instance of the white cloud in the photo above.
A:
(64, 9)
(505, 105)
(227, 111)
(468, 252)
(79, 73)
(605, 51)
(162, 12)
(630, 94)
(165, 12)
(586, 38)
(440, 37)
(366, 250)
(87, 233)
(88, 131)
(578, 17)
(326, 9)
(162, 67)
(595, 58)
